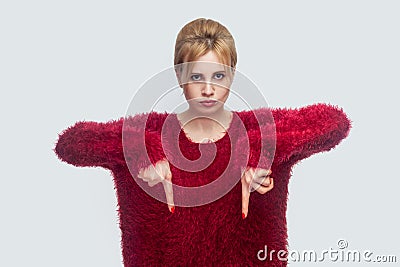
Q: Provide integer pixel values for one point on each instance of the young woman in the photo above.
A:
(205, 60)
(224, 230)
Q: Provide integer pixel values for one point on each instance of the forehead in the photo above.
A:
(211, 56)
(206, 67)
(210, 61)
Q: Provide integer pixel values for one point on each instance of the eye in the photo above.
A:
(195, 77)
(219, 76)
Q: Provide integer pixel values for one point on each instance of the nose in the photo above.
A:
(208, 89)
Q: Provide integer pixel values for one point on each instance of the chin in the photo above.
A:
(207, 110)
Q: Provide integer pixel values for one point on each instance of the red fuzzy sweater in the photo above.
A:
(213, 234)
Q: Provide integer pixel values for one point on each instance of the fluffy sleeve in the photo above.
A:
(308, 130)
(90, 144)
(281, 135)
(256, 147)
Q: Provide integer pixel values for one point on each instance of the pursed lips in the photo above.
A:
(208, 101)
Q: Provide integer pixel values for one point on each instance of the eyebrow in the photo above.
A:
(213, 73)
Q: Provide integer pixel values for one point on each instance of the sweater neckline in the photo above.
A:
(187, 139)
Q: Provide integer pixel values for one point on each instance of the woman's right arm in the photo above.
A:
(90, 144)
(87, 144)
(160, 172)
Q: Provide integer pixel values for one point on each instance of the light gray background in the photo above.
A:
(82, 60)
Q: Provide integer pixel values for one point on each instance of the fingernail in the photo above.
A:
(172, 209)
(243, 215)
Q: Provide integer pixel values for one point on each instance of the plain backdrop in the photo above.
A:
(67, 61)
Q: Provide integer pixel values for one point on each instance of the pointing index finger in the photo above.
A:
(168, 191)
(245, 197)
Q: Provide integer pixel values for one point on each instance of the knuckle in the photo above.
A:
(248, 179)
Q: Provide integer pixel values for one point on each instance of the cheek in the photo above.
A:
(223, 94)
(191, 91)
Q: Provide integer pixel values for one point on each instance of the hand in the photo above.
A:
(257, 179)
(161, 172)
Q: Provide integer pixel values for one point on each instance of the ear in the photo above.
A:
(178, 73)
(231, 71)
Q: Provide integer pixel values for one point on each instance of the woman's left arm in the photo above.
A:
(292, 135)
(308, 130)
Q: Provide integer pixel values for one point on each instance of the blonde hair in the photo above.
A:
(202, 35)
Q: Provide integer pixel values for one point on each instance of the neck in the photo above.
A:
(206, 123)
